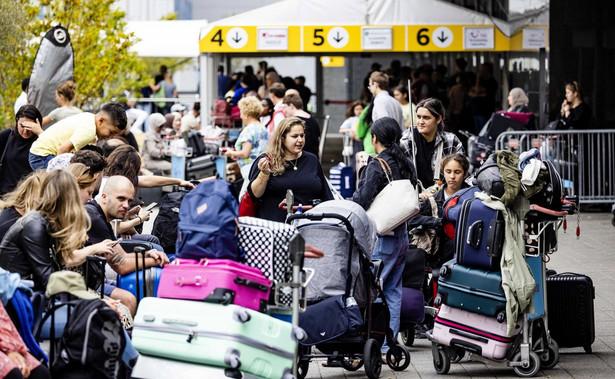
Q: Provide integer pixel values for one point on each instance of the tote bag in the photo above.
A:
(395, 204)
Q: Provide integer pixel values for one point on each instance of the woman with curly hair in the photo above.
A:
(284, 166)
(59, 224)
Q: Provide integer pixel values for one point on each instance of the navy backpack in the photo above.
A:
(207, 225)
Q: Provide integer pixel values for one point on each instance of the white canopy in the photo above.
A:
(353, 12)
(174, 38)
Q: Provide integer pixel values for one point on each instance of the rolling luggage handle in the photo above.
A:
(140, 250)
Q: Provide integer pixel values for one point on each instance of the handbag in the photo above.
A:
(248, 206)
(395, 204)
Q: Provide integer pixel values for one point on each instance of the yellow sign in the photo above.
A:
(360, 38)
(328, 61)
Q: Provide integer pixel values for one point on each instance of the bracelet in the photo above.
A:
(264, 177)
(140, 219)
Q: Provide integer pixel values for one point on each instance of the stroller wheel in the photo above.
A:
(407, 336)
(351, 364)
(372, 359)
(399, 359)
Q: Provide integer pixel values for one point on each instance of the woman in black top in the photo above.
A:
(391, 249)
(20, 201)
(286, 166)
(574, 113)
(15, 146)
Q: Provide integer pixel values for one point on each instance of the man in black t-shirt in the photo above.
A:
(113, 204)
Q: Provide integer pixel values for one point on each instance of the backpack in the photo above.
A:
(165, 225)
(451, 209)
(92, 344)
(547, 189)
(488, 177)
(208, 224)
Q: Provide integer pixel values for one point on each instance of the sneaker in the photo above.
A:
(383, 357)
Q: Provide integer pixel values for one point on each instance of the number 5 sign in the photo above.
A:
(331, 38)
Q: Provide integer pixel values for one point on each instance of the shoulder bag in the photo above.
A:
(395, 203)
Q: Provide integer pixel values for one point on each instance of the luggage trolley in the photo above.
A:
(533, 348)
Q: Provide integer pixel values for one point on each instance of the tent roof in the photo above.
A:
(174, 38)
(353, 12)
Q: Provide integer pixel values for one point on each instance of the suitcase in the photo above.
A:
(264, 245)
(472, 290)
(342, 179)
(451, 209)
(570, 303)
(200, 167)
(215, 335)
(152, 281)
(472, 332)
(159, 368)
(479, 236)
(215, 280)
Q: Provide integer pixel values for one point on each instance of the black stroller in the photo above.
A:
(347, 317)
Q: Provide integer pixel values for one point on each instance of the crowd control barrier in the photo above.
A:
(585, 159)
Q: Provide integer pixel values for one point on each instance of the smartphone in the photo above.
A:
(115, 243)
(151, 206)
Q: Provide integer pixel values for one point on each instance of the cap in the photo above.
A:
(68, 281)
(178, 107)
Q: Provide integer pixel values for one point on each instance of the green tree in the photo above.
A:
(104, 66)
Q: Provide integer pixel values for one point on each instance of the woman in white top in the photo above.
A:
(65, 94)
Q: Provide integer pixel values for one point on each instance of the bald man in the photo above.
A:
(113, 204)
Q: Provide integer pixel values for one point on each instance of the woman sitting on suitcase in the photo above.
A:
(58, 224)
(391, 249)
(286, 166)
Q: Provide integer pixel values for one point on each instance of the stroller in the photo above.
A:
(346, 289)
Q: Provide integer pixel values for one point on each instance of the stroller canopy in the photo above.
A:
(364, 226)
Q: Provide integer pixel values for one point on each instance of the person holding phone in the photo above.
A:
(59, 224)
(575, 113)
(284, 166)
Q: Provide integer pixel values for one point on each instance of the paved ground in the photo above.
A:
(594, 255)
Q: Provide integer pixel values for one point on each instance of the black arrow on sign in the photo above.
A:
(338, 38)
(237, 38)
(442, 37)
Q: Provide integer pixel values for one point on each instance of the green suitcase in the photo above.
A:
(215, 335)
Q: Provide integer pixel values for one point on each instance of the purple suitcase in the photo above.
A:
(215, 281)
(472, 332)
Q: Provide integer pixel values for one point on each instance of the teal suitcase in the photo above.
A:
(216, 335)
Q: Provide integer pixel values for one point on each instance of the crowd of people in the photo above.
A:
(69, 179)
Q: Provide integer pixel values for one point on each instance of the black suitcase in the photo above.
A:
(570, 303)
(200, 167)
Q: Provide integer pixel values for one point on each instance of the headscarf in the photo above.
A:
(518, 97)
(154, 121)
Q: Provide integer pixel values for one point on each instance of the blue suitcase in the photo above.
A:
(152, 278)
(342, 179)
(479, 236)
(472, 290)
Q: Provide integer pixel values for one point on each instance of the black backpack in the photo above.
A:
(92, 343)
(165, 225)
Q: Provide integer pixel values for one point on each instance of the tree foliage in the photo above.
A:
(104, 66)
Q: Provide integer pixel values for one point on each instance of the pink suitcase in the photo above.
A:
(472, 332)
(216, 281)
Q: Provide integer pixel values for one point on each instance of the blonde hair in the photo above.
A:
(250, 106)
(275, 149)
(68, 220)
(24, 196)
(67, 89)
(82, 173)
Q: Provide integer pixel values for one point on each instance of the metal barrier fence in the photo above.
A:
(585, 159)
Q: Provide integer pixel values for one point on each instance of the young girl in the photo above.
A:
(352, 144)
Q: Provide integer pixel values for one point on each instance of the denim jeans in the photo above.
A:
(392, 251)
(38, 162)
